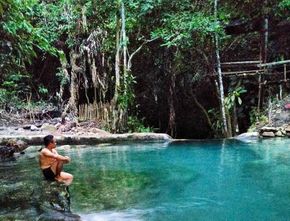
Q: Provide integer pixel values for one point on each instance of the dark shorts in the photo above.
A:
(48, 174)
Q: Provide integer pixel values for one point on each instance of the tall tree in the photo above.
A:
(219, 72)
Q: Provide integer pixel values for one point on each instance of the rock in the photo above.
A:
(287, 129)
(26, 127)
(18, 145)
(74, 129)
(269, 129)
(55, 120)
(6, 152)
(34, 128)
(47, 200)
(99, 131)
(59, 216)
(68, 126)
(57, 125)
(268, 134)
(279, 134)
(48, 127)
(20, 130)
(247, 137)
(93, 139)
(38, 125)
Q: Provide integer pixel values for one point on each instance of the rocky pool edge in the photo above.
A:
(87, 139)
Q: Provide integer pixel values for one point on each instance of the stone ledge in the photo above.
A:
(89, 139)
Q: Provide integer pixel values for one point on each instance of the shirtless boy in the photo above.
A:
(51, 163)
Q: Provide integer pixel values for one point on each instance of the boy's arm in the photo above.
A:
(67, 160)
(55, 156)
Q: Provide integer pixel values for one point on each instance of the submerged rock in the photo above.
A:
(24, 201)
(54, 202)
(58, 216)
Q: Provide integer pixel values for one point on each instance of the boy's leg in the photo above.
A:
(65, 177)
(57, 168)
(60, 176)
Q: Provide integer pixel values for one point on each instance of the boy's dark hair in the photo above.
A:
(47, 140)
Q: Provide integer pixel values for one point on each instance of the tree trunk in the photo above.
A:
(124, 43)
(219, 71)
(171, 129)
(117, 61)
(171, 123)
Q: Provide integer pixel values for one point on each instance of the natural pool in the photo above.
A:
(200, 180)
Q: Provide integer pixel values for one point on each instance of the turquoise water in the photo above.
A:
(206, 180)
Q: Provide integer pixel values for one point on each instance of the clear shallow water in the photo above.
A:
(207, 180)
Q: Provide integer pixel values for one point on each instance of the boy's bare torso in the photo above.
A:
(46, 161)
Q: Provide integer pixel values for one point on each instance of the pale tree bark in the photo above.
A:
(219, 72)
(172, 116)
(117, 61)
(263, 53)
(171, 98)
(124, 41)
(129, 65)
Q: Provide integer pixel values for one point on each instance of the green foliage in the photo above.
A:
(42, 90)
(17, 24)
(11, 102)
(256, 118)
(7, 99)
(233, 97)
(217, 125)
(62, 77)
(126, 97)
(23, 37)
(16, 84)
(136, 125)
(32, 29)
(181, 27)
(285, 4)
